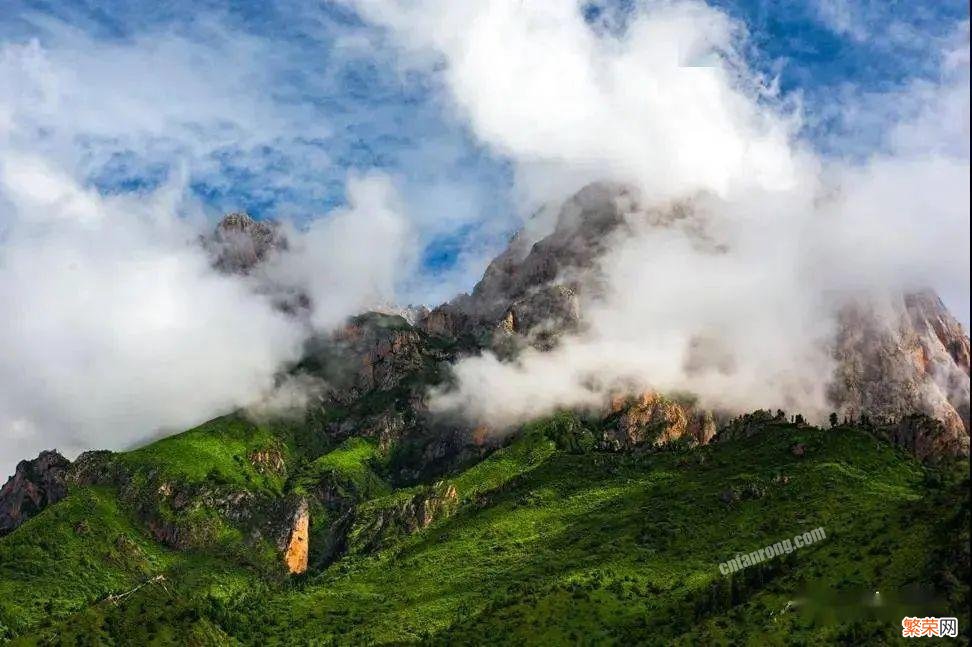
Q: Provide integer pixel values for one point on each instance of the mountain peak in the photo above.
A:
(240, 242)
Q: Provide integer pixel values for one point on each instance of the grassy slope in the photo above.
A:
(216, 451)
(618, 548)
(79, 550)
(349, 467)
(549, 547)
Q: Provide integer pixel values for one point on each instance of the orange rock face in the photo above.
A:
(296, 555)
(651, 418)
(479, 435)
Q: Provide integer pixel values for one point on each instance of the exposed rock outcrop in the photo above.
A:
(373, 352)
(532, 288)
(652, 420)
(34, 485)
(904, 357)
(268, 461)
(925, 437)
(239, 242)
(95, 467)
(380, 521)
(298, 541)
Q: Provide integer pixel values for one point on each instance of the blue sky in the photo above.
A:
(346, 111)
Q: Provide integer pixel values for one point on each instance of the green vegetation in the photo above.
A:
(548, 541)
(77, 551)
(217, 452)
(350, 468)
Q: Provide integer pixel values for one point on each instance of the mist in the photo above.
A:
(117, 328)
(779, 238)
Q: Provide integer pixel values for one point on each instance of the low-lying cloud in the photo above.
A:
(661, 98)
(119, 327)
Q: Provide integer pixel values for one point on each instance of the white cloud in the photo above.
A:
(353, 259)
(155, 100)
(115, 324)
(663, 106)
(840, 17)
(570, 102)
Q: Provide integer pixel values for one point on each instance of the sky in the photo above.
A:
(403, 144)
(290, 97)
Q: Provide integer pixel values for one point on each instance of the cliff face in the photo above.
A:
(34, 485)
(532, 289)
(652, 420)
(379, 522)
(911, 356)
(296, 550)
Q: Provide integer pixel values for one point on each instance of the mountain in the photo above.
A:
(240, 243)
(370, 518)
(892, 358)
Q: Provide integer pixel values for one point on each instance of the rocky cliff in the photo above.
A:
(34, 485)
(906, 356)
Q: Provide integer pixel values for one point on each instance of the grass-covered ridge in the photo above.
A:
(350, 467)
(547, 541)
(218, 451)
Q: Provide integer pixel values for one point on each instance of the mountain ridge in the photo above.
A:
(248, 521)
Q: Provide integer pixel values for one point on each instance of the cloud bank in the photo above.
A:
(661, 98)
(116, 326)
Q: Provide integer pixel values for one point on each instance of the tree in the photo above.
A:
(833, 419)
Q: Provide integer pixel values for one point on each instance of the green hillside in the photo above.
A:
(546, 541)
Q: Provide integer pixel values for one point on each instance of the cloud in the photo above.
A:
(117, 327)
(195, 102)
(355, 258)
(662, 98)
(841, 17)
(665, 104)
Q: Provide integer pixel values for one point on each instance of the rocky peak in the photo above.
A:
(239, 242)
(907, 357)
(34, 485)
(532, 289)
(580, 235)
